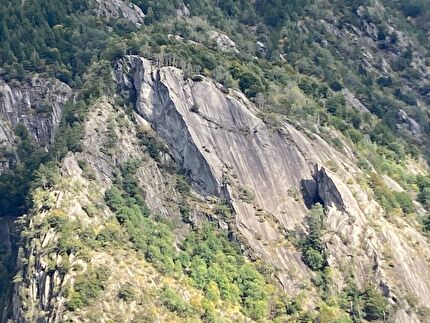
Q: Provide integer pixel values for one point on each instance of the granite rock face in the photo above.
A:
(353, 101)
(405, 121)
(37, 104)
(120, 9)
(271, 176)
(229, 152)
(223, 42)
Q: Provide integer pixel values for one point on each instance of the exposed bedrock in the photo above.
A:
(37, 103)
(114, 9)
(228, 151)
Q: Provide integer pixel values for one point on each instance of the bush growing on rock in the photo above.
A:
(175, 302)
(88, 287)
(314, 259)
(375, 305)
(313, 253)
(126, 293)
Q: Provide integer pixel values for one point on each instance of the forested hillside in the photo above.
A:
(215, 160)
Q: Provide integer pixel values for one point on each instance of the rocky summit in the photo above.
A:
(214, 161)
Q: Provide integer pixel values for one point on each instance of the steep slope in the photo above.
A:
(216, 161)
(57, 258)
(229, 152)
(269, 176)
(35, 103)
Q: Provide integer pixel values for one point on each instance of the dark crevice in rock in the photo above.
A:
(321, 189)
(309, 190)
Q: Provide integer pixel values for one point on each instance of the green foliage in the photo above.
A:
(46, 176)
(389, 199)
(153, 239)
(64, 40)
(15, 183)
(156, 10)
(375, 305)
(69, 241)
(337, 143)
(423, 183)
(58, 220)
(249, 81)
(382, 135)
(313, 258)
(129, 180)
(332, 314)
(426, 223)
(57, 37)
(405, 202)
(213, 263)
(175, 302)
(211, 260)
(368, 303)
(153, 145)
(114, 199)
(97, 82)
(87, 287)
(313, 253)
(354, 135)
(70, 132)
(29, 171)
(111, 234)
(87, 171)
(126, 293)
(413, 8)
(182, 186)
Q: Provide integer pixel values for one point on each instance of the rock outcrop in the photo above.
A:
(36, 103)
(269, 175)
(223, 42)
(227, 151)
(354, 102)
(120, 9)
(40, 291)
(384, 252)
(410, 124)
(183, 11)
(43, 283)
